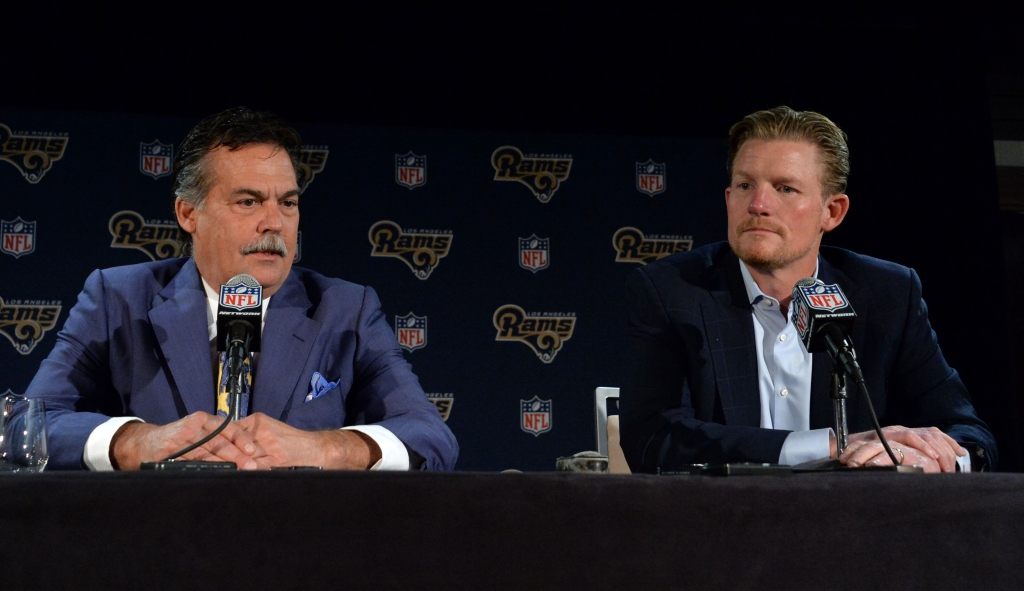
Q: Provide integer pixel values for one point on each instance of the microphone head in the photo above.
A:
(816, 304)
(241, 299)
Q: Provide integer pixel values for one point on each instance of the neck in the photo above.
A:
(778, 283)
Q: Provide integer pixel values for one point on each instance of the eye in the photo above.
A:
(787, 189)
(289, 203)
(743, 186)
(247, 202)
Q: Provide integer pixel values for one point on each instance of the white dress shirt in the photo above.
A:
(96, 455)
(784, 377)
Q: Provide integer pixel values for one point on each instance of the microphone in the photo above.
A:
(239, 313)
(823, 318)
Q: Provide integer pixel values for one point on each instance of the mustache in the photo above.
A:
(272, 243)
(759, 224)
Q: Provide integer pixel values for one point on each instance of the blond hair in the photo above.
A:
(783, 123)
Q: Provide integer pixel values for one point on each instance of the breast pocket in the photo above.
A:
(325, 412)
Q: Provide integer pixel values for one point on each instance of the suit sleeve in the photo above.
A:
(387, 393)
(924, 391)
(669, 410)
(74, 376)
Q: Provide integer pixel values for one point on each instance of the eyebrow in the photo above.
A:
(261, 196)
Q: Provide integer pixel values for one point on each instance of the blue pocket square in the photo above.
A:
(318, 386)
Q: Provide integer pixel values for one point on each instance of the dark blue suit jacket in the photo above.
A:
(691, 394)
(137, 344)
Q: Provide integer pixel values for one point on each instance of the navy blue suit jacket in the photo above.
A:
(137, 344)
(691, 393)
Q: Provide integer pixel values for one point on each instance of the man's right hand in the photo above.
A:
(138, 442)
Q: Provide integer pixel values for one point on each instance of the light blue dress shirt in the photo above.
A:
(784, 377)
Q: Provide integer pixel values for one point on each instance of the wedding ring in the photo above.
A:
(902, 457)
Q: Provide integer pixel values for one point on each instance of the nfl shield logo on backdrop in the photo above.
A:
(411, 331)
(533, 253)
(535, 415)
(824, 297)
(17, 237)
(650, 177)
(155, 158)
(410, 170)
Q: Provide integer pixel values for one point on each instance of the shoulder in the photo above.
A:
(142, 276)
(701, 267)
(861, 269)
(329, 290)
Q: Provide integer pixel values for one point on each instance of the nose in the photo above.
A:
(270, 217)
(762, 201)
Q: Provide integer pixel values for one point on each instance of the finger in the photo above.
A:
(224, 449)
(947, 452)
(864, 453)
(911, 439)
(242, 439)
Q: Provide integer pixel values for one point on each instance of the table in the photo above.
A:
(511, 531)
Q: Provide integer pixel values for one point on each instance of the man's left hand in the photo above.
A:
(927, 447)
(279, 444)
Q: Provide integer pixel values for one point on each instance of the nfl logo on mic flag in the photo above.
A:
(410, 170)
(411, 331)
(155, 158)
(17, 237)
(535, 415)
(240, 296)
(650, 177)
(824, 297)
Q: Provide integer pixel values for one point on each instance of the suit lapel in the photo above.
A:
(729, 326)
(179, 319)
(288, 338)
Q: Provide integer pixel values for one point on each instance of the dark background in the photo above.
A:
(921, 94)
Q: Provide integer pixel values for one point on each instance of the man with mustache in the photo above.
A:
(716, 370)
(133, 377)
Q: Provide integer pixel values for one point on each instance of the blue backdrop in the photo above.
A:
(541, 227)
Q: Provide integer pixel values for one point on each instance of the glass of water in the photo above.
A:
(26, 448)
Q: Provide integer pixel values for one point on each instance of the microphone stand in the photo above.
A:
(838, 393)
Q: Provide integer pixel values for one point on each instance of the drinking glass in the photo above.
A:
(26, 450)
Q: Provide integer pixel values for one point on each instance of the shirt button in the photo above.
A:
(782, 338)
(784, 392)
(768, 303)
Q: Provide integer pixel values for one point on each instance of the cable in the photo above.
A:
(216, 432)
(874, 419)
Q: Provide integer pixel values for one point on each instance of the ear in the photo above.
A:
(834, 211)
(187, 215)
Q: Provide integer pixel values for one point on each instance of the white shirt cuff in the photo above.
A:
(96, 454)
(804, 446)
(393, 454)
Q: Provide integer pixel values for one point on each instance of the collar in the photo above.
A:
(754, 293)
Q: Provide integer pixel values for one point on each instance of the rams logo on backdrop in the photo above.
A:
(422, 250)
(32, 153)
(159, 240)
(650, 177)
(156, 159)
(410, 170)
(25, 322)
(543, 333)
(542, 173)
(443, 402)
(534, 254)
(411, 331)
(631, 246)
(535, 415)
(17, 237)
(312, 160)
